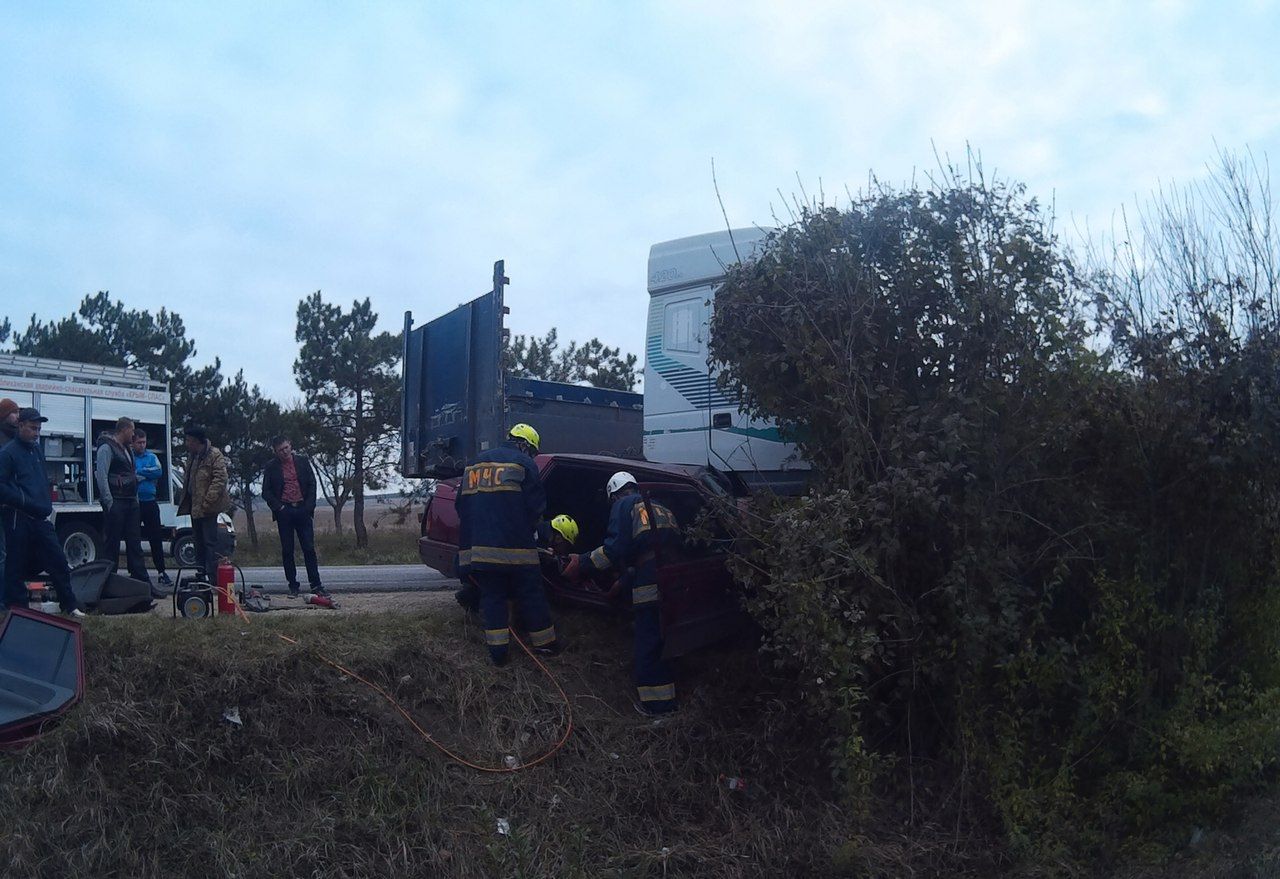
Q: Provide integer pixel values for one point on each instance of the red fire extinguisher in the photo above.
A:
(226, 590)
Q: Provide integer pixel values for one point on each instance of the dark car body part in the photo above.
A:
(41, 673)
(99, 589)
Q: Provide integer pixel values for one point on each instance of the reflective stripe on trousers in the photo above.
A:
(524, 585)
(655, 684)
(500, 555)
(644, 594)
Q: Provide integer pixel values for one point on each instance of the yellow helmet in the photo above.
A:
(567, 528)
(526, 433)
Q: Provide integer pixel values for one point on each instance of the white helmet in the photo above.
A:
(619, 481)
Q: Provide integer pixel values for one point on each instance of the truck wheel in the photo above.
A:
(80, 542)
(184, 551)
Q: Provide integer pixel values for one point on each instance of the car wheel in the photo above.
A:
(80, 543)
(184, 551)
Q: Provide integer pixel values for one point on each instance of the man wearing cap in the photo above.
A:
(204, 496)
(26, 502)
(8, 430)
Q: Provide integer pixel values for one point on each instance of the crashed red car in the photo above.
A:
(458, 402)
(697, 598)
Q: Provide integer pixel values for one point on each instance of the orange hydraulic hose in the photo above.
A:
(496, 770)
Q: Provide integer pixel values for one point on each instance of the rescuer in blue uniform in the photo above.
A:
(637, 532)
(500, 503)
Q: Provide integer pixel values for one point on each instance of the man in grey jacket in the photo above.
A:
(116, 479)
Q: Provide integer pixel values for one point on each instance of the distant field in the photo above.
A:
(398, 546)
(391, 541)
(376, 510)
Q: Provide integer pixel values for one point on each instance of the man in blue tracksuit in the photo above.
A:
(638, 530)
(28, 533)
(500, 502)
(150, 472)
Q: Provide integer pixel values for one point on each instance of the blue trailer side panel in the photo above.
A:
(456, 402)
(453, 386)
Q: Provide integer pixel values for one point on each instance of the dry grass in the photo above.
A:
(146, 779)
(324, 779)
(387, 546)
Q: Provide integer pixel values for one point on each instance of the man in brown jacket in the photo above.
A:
(204, 496)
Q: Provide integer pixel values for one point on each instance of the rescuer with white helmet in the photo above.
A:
(638, 528)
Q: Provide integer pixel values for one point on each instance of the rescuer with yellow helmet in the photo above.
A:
(500, 503)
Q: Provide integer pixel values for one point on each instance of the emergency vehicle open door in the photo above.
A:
(698, 599)
(453, 396)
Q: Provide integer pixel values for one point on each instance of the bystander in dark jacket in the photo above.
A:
(8, 430)
(289, 489)
(25, 505)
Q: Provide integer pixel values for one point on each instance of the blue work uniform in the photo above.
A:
(636, 532)
(500, 501)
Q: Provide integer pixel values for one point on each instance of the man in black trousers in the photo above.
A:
(116, 479)
(26, 505)
(289, 488)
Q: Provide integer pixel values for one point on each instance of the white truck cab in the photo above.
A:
(687, 418)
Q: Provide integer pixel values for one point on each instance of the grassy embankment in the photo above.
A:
(325, 779)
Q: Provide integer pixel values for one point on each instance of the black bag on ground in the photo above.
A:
(100, 590)
(88, 581)
(125, 595)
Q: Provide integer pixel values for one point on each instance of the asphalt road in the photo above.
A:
(355, 578)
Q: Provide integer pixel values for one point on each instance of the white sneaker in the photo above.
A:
(76, 613)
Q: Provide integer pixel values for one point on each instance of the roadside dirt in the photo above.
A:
(365, 602)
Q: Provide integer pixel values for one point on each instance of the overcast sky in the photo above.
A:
(228, 159)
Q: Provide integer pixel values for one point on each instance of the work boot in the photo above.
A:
(656, 715)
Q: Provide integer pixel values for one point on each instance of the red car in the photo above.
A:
(699, 604)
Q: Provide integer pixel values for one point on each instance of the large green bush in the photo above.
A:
(1037, 565)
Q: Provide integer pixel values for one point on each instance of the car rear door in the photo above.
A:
(699, 601)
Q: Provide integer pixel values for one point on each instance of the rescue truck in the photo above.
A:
(81, 400)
